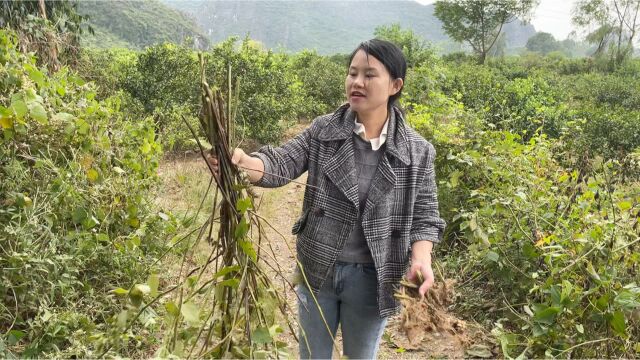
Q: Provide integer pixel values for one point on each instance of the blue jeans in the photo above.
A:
(349, 297)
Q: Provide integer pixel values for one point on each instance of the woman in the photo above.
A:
(370, 209)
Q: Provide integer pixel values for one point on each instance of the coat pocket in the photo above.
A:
(302, 221)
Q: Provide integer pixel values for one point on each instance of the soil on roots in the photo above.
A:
(427, 327)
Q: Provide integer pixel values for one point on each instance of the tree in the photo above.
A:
(480, 22)
(543, 43)
(617, 21)
(415, 49)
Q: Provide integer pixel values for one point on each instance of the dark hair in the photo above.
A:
(389, 55)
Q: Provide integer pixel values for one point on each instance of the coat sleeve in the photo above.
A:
(287, 162)
(427, 223)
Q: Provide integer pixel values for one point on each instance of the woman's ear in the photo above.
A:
(396, 86)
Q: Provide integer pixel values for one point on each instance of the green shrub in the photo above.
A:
(555, 247)
(109, 69)
(526, 103)
(165, 76)
(319, 82)
(608, 90)
(76, 221)
(610, 132)
(265, 89)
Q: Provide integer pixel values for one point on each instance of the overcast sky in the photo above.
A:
(552, 16)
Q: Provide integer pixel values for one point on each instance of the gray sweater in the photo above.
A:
(356, 249)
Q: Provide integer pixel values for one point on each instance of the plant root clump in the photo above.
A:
(424, 319)
(426, 324)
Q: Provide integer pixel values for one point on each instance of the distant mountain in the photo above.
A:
(137, 24)
(327, 26)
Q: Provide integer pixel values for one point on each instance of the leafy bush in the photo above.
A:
(526, 104)
(556, 245)
(172, 131)
(166, 76)
(111, 70)
(319, 82)
(611, 132)
(75, 216)
(606, 89)
(264, 82)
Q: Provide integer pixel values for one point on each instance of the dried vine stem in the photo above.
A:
(231, 284)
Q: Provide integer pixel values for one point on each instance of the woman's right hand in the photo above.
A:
(253, 166)
(236, 159)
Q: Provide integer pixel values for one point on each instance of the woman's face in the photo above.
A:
(369, 84)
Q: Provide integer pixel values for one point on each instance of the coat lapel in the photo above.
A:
(385, 178)
(383, 182)
(340, 168)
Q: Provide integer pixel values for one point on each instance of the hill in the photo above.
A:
(328, 26)
(137, 24)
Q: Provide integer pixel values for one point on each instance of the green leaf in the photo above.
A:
(14, 337)
(38, 112)
(90, 222)
(617, 323)
(120, 291)
(243, 205)
(493, 256)
(19, 108)
(82, 126)
(454, 178)
(79, 214)
(145, 148)
(134, 222)
(624, 205)
(172, 308)
(241, 229)
(547, 315)
(603, 302)
(261, 335)
(63, 117)
(6, 122)
(628, 300)
(592, 271)
(225, 270)
(36, 75)
(93, 175)
(191, 313)
(153, 281)
(230, 283)
(247, 249)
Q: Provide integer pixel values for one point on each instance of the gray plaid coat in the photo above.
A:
(401, 208)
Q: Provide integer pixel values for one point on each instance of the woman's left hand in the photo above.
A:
(421, 263)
